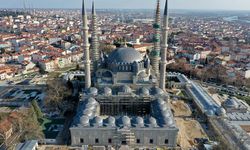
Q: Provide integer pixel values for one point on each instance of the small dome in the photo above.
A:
(107, 91)
(126, 121)
(163, 107)
(152, 122)
(125, 55)
(221, 112)
(168, 121)
(139, 121)
(126, 89)
(90, 106)
(85, 120)
(92, 101)
(158, 91)
(93, 91)
(231, 103)
(166, 113)
(160, 101)
(88, 112)
(210, 112)
(144, 91)
(111, 121)
(98, 121)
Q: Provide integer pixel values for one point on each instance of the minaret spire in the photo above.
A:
(86, 46)
(155, 54)
(95, 55)
(164, 47)
(93, 8)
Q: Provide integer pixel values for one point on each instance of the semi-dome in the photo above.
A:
(125, 55)
(231, 103)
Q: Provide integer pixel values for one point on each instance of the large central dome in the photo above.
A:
(125, 55)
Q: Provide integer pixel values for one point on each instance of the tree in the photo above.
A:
(77, 67)
(37, 109)
(29, 125)
(106, 48)
(56, 93)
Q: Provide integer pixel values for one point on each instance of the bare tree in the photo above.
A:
(29, 125)
(56, 93)
(107, 48)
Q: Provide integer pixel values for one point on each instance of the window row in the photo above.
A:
(138, 141)
(96, 140)
(151, 141)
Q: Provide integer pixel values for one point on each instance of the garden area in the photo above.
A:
(51, 127)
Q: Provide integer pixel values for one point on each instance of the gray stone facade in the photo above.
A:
(124, 116)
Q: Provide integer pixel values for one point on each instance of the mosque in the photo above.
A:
(124, 101)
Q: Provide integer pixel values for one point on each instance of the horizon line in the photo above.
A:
(186, 9)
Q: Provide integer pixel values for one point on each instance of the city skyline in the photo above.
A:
(122, 4)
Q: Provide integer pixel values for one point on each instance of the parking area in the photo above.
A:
(19, 95)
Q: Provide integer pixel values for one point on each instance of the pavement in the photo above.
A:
(234, 89)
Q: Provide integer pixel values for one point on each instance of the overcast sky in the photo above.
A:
(174, 4)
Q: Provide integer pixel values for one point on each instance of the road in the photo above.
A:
(4, 90)
(221, 88)
(22, 86)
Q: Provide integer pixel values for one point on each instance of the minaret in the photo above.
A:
(164, 47)
(95, 56)
(155, 54)
(86, 46)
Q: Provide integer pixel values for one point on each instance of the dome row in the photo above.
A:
(123, 121)
(126, 89)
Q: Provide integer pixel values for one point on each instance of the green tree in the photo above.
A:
(37, 109)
